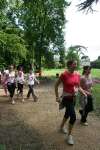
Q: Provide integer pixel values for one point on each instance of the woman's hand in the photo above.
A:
(82, 91)
(58, 99)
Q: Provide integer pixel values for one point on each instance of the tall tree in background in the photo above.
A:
(75, 53)
(43, 22)
(33, 24)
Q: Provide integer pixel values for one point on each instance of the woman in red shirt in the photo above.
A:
(70, 80)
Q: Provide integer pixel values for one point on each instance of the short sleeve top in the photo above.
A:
(70, 81)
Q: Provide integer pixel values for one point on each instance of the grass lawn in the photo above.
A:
(52, 72)
(96, 93)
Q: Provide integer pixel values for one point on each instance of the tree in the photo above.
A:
(49, 60)
(87, 5)
(75, 53)
(12, 48)
(43, 22)
(35, 26)
(12, 45)
(96, 63)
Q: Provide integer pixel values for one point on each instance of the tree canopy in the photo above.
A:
(29, 28)
(12, 45)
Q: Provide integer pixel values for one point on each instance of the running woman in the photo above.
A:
(20, 84)
(86, 102)
(11, 83)
(31, 81)
(70, 80)
(4, 81)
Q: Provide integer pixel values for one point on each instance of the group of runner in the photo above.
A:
(12, 79)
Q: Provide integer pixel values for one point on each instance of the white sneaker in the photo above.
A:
(13, 102)
(84, 123)
(63, 130)
(23, 100)
(70, 140)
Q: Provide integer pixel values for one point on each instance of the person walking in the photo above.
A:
(11, 83)
(70, 80)
(20, 83)
(86, 102)
(31, 81)
(4, 81)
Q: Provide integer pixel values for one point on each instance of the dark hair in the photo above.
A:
(57, 75)
(70, 62)
(11, 66)
(86, 68)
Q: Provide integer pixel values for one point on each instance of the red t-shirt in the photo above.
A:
(70, 81)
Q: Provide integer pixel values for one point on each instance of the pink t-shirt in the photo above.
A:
(70, 81)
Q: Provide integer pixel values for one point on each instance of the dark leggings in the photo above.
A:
(20, 88)
(69, 104)
(11, 88)
(31, 91)
(88, 108)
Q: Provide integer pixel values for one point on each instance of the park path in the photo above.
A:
(35, 126)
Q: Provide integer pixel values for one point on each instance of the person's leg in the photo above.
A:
(63, 122)
(12, 92)
(66, 116)
(33, 94)
(5, 89)
(18, 89)
(29, 91)
(21, 92)
(9, 90)
(84, 116)
(87, 109)
(72, 115)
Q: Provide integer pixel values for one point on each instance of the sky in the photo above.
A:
(83, 29)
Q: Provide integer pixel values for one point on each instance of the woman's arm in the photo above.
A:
(95, 81)
(82, 91)
(36, 80)
(58, 82)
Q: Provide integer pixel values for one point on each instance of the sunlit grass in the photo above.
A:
(52, 72)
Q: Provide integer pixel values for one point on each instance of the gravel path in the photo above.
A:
(35, 125)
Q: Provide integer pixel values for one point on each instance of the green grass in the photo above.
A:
(52, 72)
(96, 73)
(96, 93)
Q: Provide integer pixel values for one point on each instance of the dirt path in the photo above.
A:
(35, 126)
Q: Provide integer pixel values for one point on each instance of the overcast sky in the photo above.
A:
(82, 29)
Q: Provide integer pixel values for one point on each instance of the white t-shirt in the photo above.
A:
(88, 82)
(6, 71)
(31, 79)
(20, 79)
(11, 77)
